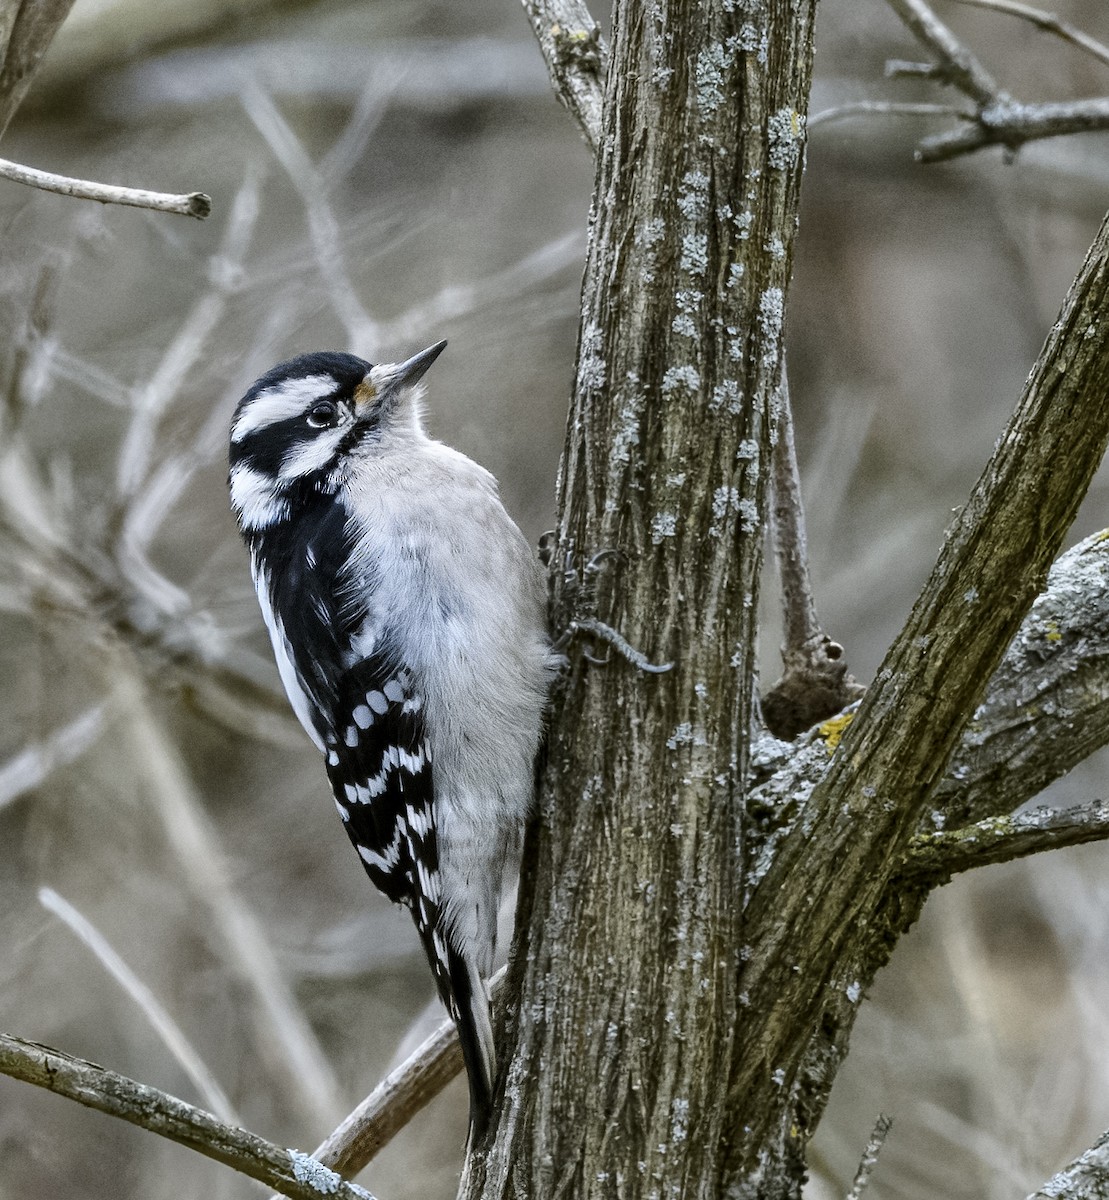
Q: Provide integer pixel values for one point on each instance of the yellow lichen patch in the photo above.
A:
(1103, 536)
(1052, 633)
(832, 730)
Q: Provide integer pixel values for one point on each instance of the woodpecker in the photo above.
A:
(407, 615)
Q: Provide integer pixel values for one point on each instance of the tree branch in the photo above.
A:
(815, 683)
(393, 1103)
(1048, 22)
(194, 204)
(869, 1160)
(1009, 124)
(27, 28)
(1047, 707)
(935, 857)
(576, 58)
(956, 64)
(997, 119)
(875, 792)
(289, 1172)
(1086, 1178)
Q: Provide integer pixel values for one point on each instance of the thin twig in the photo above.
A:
(799, 608)
(32, 766)
(620, 644)
(870, 1157)
(958, 65)
(1001, 839)
(885, 108)
(167, 1029)
(327, 242)
(576, 58)
(1048, 22)
(192, 204)
(290, 1172)
(815, 682)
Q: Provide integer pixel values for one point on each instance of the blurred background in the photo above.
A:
(385, 174)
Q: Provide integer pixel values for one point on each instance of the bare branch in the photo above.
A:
(289, 1172)
(869, 1161)
(32, 766)
(27, 28)
(1087, 1178)
(1009, 124)
(957, 65)
(361, 329)
(1048, 22)
(161, 1022)
(885, 108)
(192, 204)
(576, 57)
(938, 856)
(815, 683)
(788, 512)
(998, 120)
(877, 788)
(393, 1103)
(1047, 707)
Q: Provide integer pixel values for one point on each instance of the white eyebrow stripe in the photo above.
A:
(280, 402)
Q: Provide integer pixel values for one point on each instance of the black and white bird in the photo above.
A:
(407, 616)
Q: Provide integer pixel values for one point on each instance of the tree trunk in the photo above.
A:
(629, 954)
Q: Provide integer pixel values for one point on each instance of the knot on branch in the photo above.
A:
(578, 48)
(815, 685)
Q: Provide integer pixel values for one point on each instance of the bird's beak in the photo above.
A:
(390, 379)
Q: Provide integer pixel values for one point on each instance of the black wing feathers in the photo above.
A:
(371, 720)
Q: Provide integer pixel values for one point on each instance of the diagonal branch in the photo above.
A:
(402, 1094)
(289, 1172)
(956, 64)
(27, 28)
(576, 57)
(879, 782)
(1047, 22)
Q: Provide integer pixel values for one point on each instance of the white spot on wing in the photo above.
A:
(377, 702)
(363, 718)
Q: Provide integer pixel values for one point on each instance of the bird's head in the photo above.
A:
(299, 425)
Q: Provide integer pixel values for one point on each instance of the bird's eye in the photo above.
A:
(323, 415)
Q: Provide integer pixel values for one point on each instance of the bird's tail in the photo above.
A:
(465, 996)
